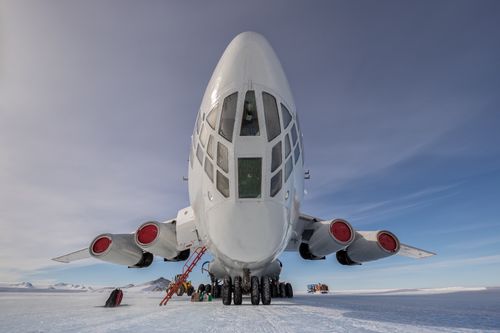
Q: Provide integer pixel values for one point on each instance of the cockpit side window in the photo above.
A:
(249, 120)
(273, 126)
(276, 183)
(287, 117)
(249, 177)
(222, 184)
(276, 156)
(294, 135)
(227, 117)
(212, 117)
(288, 148)
(222, 157)
(288, 168)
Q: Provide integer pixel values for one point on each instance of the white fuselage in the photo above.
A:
(242, 214)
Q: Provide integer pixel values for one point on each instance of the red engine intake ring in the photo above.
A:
(101, 244)
(388, 242)
(147, 234)
(341, 231)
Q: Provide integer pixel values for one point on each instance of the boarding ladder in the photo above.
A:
(188, 267)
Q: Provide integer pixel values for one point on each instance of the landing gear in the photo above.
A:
(216, 289)
(288, 290)
(274, 288)
(226, 290)
(208, 288)
(282, 290)
(265, 286)
(255, 290)
(237, 291)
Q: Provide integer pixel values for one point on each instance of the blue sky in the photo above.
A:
(399, 106)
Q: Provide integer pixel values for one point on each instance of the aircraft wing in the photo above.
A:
(306, 225)
(413, 252)
(73, 256)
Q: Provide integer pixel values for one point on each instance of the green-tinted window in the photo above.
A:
(223, 184)
(287, 117)
(226, 126)
(276, 183)
(249, 120)
(273, 126)
(249, 177)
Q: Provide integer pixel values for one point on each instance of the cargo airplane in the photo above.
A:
(246, 183)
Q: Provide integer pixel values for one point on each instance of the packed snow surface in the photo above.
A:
(458, 311)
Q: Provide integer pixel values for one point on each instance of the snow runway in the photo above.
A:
(472, 311)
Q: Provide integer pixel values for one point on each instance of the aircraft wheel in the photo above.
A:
(274, 289)
(215, 290)
(288, 290)
(265, 286)
(208, 288)
(201, 288)
(282, 290)
(226, 290)
(238, 296)
(181, 290)
(255, 290)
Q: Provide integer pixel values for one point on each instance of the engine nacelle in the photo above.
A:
(369, 246)
(160, 239)
(119, 249)
(327, 237)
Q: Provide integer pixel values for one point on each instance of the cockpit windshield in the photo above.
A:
(249, 120)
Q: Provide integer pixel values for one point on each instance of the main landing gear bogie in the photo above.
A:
(261, 290)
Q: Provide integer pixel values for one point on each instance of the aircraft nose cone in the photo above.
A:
(248, 58)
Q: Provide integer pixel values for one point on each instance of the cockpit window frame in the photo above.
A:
(228, 116)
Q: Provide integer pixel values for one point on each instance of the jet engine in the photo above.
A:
(161, 240)
(369, 246)
(119, 249)
(327, 237)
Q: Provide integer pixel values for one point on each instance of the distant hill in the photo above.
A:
(159, 284)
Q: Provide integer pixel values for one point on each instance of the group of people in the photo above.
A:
(201, 296)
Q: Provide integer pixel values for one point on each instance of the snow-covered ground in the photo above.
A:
(461, 311)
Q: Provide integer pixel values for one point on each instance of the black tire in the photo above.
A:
(226, 291)
(238, 293)
(181, 290)
(288, 290)
(255, 290)
(208, 288)
(282, 290)
(190, 291)
(265, 287)
(274, 289)
(216, 290)
(201, 288)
